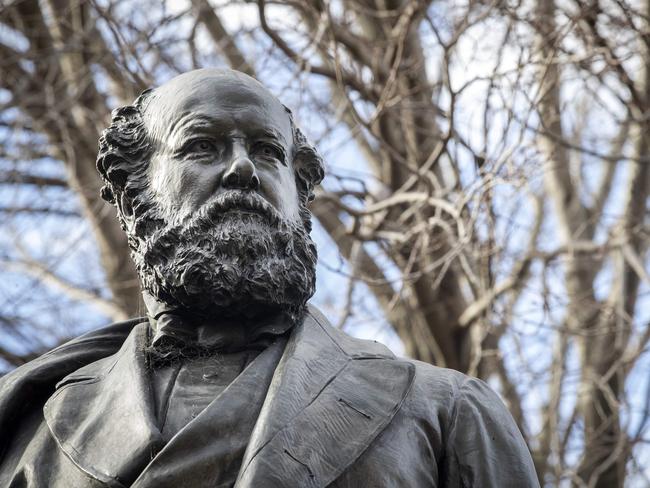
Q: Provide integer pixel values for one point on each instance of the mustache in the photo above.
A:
(238, 200)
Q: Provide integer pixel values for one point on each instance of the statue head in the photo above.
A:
(212, 180)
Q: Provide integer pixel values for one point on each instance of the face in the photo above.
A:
(224, 234)
(217, 131)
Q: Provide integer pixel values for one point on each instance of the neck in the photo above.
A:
(219, 331)
(248, 313)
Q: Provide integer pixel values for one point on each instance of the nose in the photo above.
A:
(241, 175)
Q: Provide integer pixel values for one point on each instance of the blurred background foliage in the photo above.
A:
(485, 207)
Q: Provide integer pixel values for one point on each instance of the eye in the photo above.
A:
(200, 147)
(269, 151)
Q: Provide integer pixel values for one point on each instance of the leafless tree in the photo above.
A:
(488, 184)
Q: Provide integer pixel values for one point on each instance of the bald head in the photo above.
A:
(223, 93)
(202, 122)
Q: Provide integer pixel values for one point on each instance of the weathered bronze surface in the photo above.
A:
(232, 379)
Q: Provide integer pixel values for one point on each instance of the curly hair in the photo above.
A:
(125, 151)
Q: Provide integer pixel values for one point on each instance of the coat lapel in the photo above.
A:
(208, 450)
(328, 400)
(102, 415)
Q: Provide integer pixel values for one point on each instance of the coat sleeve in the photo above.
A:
(484, 446)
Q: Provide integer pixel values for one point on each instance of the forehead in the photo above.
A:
(229, 99)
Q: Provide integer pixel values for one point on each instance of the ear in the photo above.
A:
(308, 166)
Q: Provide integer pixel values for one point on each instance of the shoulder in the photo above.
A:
(428, 379)
(433, 390)
(480, 441)
(75, 353)
(458, 388)
(476, 427)
(25, 389)
(438, 393)
(37, 378)
(459, 401)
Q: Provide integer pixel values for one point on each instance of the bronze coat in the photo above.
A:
(339, 412)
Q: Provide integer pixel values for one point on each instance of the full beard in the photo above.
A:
(236, 256)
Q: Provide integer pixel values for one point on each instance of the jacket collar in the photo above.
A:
(326, 403)
(331, 395)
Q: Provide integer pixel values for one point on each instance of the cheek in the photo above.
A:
(162, 179)
(181, 187)
(288, 195)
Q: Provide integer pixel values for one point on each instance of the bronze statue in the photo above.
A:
(233, 379)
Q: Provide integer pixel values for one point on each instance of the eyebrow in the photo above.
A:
(270, 134)
(189, 123)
